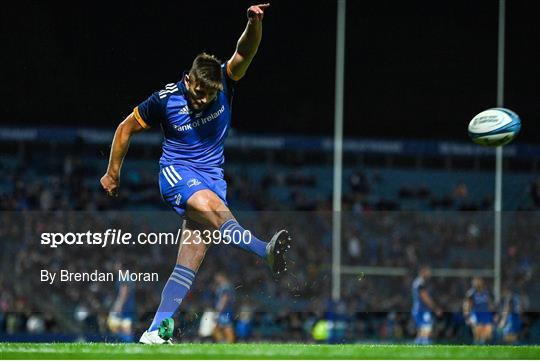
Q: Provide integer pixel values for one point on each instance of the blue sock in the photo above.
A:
(236, 235)
(175, 290)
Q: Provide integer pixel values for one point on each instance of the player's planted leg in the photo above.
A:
(190, 256)
(175, 290)
(173, 293)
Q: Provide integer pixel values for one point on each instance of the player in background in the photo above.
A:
(224, 330)
(423, 307)
(123, 311)
(477, 311)
(510, 320)
(195, 115)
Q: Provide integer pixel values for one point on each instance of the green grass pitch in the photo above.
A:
(260, 351)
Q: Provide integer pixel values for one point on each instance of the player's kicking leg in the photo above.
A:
(205, 207)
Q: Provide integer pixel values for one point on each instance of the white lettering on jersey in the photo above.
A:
(200, 121)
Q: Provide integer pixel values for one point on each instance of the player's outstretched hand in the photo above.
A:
(110, 185)
(256, 12)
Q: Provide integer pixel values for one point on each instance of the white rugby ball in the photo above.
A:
(494, 127)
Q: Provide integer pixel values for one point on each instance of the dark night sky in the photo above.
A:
(415, 69)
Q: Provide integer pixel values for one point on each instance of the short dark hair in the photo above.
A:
(206, 69)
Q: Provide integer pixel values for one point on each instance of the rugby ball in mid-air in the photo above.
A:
(494, 127)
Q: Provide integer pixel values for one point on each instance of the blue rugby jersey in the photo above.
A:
(480, 300)
(221, 291)
(417, 304)
(191, 137)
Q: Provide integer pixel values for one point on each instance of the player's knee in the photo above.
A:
(202, 200)
(205, 201)
(210, 208)
(221, 217)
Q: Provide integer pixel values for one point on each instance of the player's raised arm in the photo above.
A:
(247, 45)
(120, 144)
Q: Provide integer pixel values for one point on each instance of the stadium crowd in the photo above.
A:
(63, 195)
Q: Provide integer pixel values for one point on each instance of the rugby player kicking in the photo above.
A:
(195, 115)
